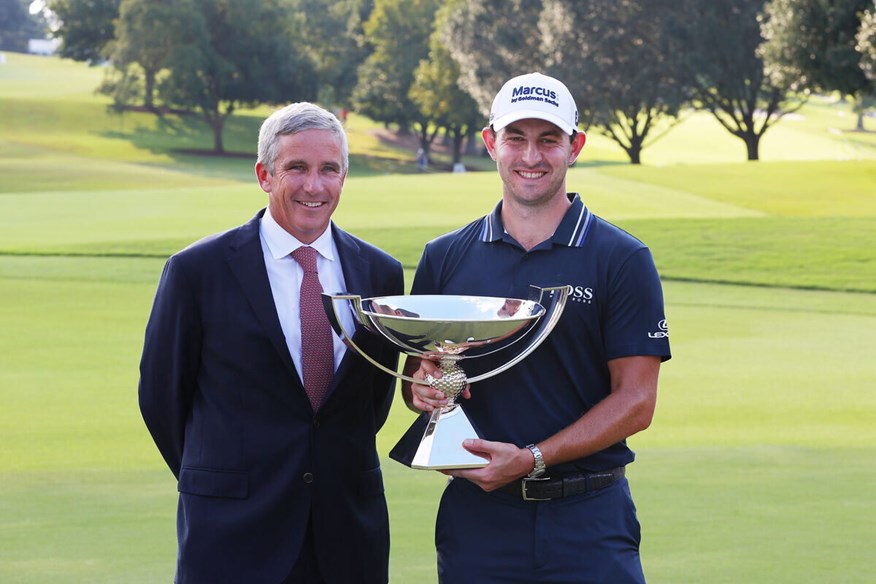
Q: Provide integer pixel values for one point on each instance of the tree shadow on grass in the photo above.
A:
(187, 141)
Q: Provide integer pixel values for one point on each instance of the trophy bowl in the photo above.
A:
(440, 327)
(449, 329)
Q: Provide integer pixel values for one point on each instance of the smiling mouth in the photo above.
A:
(530, 174)
(311, 204)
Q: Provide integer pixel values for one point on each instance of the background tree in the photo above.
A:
(866, 45)
(492, 42)
(727, 75)
(143, 43)
(398, 31)
(436, 90)
(332, 31)
(17, 25)
(619, 61)
(85, 28)
(615, 57)
(816, 40)
(234, 53)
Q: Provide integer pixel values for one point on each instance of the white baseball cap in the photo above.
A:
(535, 96)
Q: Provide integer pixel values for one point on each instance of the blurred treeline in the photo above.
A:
(432, 66)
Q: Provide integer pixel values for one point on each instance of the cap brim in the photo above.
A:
(518, 115)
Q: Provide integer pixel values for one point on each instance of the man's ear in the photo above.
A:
(577, 145)
(263, 177)
(489, 138)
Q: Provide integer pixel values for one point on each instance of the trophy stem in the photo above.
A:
(441, 444)
(452, 381)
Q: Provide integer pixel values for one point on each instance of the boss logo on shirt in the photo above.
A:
(581, 294)
(663, 333)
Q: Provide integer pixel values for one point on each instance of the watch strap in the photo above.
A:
(539, 467)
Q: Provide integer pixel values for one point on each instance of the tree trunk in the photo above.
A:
(458, 138)
(752, 143)
(149, 90)
(636, 144)
(635, 153)
(217, 124)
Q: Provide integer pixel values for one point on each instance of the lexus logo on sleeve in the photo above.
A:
(662, 333)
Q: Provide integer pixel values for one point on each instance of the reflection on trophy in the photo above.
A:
(448, 329)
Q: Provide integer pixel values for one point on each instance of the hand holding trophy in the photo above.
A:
(448, 329)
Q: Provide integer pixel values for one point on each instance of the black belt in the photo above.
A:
(543, 489)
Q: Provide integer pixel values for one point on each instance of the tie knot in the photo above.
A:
(306, 256)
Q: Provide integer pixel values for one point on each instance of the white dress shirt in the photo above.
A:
(285, 275)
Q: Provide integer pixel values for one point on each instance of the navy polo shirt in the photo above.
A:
(615, 310)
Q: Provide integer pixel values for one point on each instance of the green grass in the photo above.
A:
(788, 189)
(765, 413)
(772, 251)
(760, 462)
(724, 515)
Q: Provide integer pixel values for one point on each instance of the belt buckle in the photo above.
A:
(523, 486)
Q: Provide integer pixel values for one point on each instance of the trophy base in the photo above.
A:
(435, 442)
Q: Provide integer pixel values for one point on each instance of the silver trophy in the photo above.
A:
(448, 329)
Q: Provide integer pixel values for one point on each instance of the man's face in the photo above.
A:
(306, 185)
(510, 307)
(532, 157)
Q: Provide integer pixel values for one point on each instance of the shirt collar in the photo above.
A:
(572, 231)
(281, 243)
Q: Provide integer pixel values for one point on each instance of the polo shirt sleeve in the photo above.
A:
(635, 318)
(425, 278)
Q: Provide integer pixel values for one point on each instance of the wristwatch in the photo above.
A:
(539, 467)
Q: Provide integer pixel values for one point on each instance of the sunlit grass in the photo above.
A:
(760, 458)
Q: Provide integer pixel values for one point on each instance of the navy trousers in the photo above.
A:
(487, 538)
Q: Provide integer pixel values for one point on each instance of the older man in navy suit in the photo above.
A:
(278, 481)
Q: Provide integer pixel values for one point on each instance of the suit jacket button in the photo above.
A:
(308, 477)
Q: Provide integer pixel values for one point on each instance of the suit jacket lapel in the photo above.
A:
(353, 264)
(356, 277)
(247, 262)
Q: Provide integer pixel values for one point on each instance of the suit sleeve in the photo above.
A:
(169, 364)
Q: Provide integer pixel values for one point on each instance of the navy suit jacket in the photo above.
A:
(222, 399)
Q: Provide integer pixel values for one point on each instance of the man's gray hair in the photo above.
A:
(295, 118)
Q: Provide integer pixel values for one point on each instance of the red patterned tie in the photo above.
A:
(317, 351)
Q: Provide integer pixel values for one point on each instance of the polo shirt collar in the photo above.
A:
(572, 231)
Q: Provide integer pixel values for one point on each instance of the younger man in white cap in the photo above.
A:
(553, 504)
